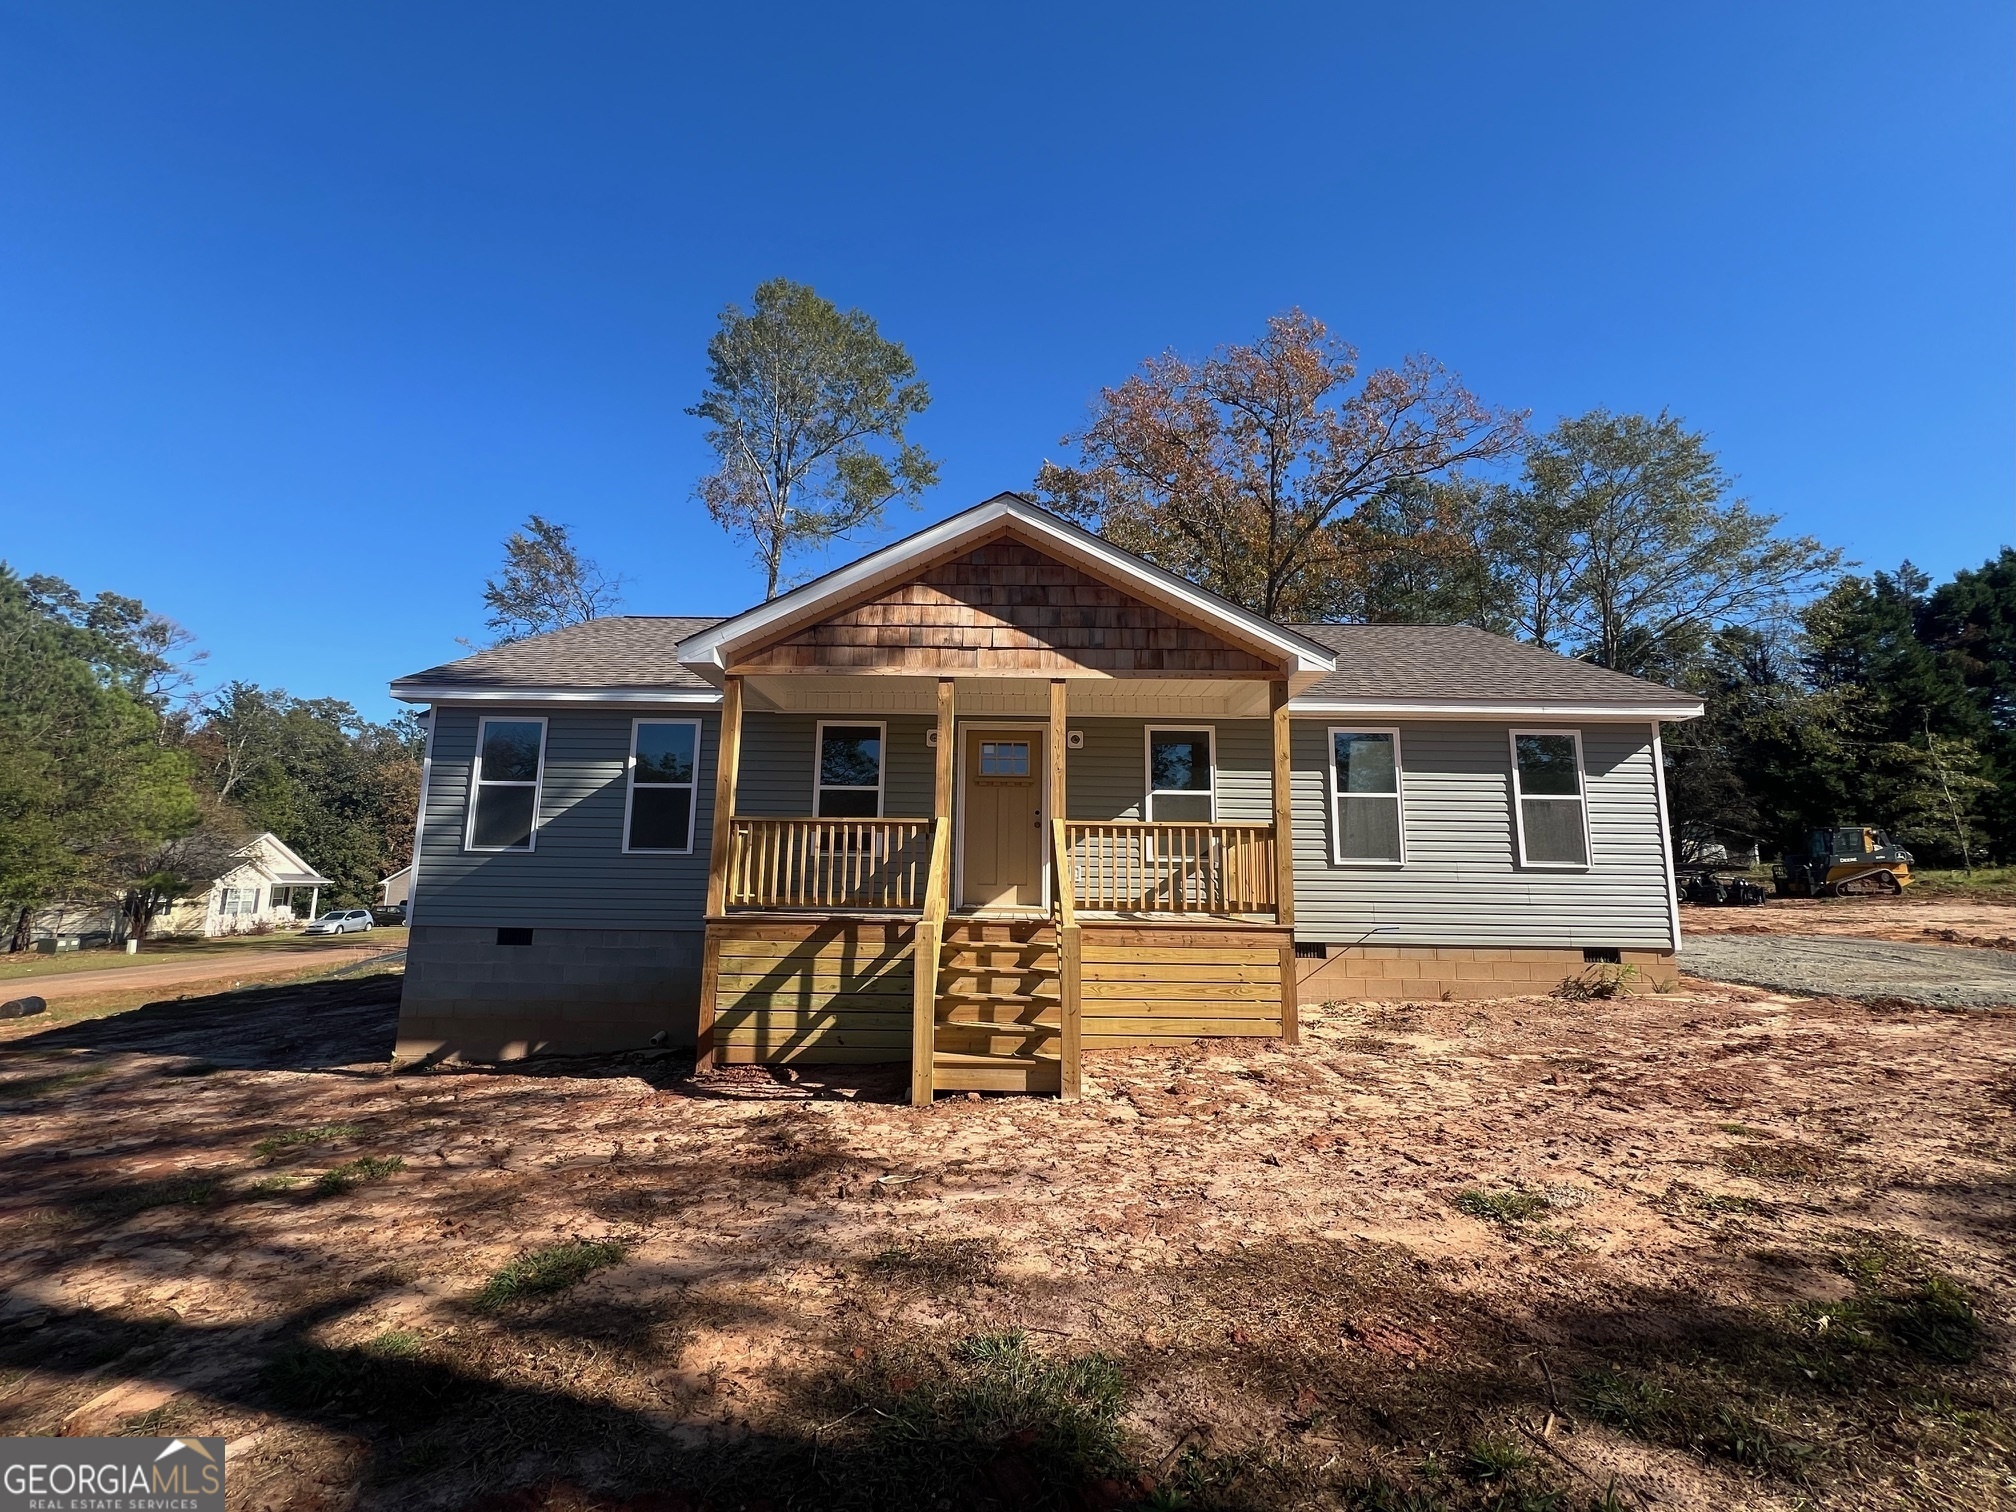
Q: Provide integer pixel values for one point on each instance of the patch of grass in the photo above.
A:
(289, 1139)
(993, 1413)
(1984, 883)
(1508, 1206)
(1780, 1160)
(542, 1272)
(118, 1203)
(49, 1086)
(1596, 983)
(267, 1186)
(1495, 1457)
(396, 1344)
(1684, 1200)
(937, 1261)
(339, 1179)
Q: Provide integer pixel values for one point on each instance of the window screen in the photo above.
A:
(850, 771)
(664, 761)
(506, 793)
(1547, 781)
(1179, 775)
(1365, 767)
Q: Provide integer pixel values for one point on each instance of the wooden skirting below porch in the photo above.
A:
(817, 989)
(1150, 984)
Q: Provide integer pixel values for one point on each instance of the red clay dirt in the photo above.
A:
(1613, 1234)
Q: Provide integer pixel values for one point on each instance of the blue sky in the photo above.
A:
(304, 307)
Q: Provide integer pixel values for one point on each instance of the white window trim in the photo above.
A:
(1581, 798)
(1148, 788)
(1337, 796)
(819, 785)
(630, 790)
(537, 784)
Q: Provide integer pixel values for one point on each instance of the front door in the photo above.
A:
(1003, 820)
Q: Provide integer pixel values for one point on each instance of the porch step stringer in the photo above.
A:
(997, 1020)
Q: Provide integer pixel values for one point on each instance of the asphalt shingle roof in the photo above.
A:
(1416, 662)
(617, 651)
(1435, 662)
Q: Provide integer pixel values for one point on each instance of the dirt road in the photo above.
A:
(1717, 1250)
(218, 972)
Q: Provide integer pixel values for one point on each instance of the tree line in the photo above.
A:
(1286, 476)
(121, 782)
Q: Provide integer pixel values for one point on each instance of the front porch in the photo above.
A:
(872, 939)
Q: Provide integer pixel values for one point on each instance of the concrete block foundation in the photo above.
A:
(1429, 973)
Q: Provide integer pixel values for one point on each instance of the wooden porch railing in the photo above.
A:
(1130, 867)
(827, 863)
(924, 965)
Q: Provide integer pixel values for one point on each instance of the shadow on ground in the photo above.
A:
(302, 1027)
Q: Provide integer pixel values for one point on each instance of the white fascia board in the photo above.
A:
(429, 693)
(1490, 709)
(707, 652)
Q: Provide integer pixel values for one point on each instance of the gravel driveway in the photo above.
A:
(1943, 976)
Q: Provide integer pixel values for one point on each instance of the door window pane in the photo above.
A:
(1004, 758)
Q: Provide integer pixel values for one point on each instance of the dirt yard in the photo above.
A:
(1712, 1250)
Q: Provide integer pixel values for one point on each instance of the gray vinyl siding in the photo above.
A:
(578, 874)
(1108, 779)
(1461, 884)
(775, 779)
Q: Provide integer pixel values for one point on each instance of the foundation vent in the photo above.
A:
(1602, 958)
(514, 937)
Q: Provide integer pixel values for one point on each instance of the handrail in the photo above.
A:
(825, 863)
(1172, 866)
(924, 965)
(1070, 965)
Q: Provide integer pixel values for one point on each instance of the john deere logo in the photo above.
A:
(112, 1475)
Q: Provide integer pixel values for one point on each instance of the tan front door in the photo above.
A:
(1003, 821)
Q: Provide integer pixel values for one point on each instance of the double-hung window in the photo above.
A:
(1548, 798)
(848, 779)
(504, 790)
(1366, 818)
(664, 762)
(236, 901)
(1180, 776)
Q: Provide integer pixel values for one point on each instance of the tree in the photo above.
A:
(1244, 472)
(1429, 556)
(338, 788)
(1628, 550)
(87, 772)
(807, 408)
(546, 584)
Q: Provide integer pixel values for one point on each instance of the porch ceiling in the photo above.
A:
(801, 693)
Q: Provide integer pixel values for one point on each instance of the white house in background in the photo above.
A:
(259, 890)
(394, 890)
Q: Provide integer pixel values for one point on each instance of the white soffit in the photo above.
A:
(708, 653)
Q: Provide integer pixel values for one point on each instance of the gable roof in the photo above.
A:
(619, 658)
(1427, 669)
(709, 652)
(280, 861)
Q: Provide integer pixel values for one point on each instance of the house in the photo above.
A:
(1000, 793)
(393, 891)
(258, 891)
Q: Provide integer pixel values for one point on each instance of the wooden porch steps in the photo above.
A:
(997, 1024)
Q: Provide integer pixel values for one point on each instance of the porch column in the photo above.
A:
(727, 766)
(314, 893)
(947, 765)
(1284, 857)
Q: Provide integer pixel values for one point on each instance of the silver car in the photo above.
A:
(340, 921)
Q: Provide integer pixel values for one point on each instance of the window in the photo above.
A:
(504, 807)
(664, 763)
(1179, 775)
(849, 775)
(238, 900)
(1004, 758)
(1547, 795)
(1365, 797)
